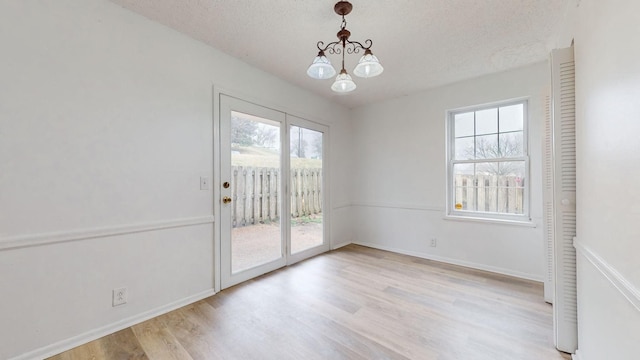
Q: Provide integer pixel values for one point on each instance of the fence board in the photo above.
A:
(256, 197)
(490, 193)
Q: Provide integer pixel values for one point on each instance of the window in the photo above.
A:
(488, 166)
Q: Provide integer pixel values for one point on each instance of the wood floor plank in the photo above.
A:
(192, 335)
(354, 303)
(122, 345)
(158, 342)
(90, 351)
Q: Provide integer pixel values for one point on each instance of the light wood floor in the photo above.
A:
(353, 303)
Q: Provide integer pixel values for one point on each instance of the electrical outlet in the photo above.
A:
(204, 183)
(434, 242)
(119, 296)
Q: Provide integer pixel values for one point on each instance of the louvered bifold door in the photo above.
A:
(564, 199)
(547, 200)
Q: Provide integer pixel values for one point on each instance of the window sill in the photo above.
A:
(491, 221)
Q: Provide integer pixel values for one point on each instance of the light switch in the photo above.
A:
(204, 183)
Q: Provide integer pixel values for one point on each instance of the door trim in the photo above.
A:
(219, 91)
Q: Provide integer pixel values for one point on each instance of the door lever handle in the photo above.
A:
(226, 200)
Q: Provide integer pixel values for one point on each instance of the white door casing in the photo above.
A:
(226, 104)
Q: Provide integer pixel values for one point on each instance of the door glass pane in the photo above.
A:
(306, 188)
(255, 187)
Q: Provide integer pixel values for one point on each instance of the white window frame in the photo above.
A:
(451, 211)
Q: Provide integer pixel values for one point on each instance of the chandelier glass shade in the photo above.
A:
(368, 66)
(343, 83)
(321, 68)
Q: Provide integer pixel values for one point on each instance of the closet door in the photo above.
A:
(547, 197)
(564, 199)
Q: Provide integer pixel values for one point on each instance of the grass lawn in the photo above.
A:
(268, 158)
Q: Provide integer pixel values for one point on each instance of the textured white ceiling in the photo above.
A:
(421, 43)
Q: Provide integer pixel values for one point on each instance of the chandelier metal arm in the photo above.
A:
(331, 47)
(351, 47)
(356, 46)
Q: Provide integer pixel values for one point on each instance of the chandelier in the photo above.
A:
(321, 67)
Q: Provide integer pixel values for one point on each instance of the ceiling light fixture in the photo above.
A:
(321, 67)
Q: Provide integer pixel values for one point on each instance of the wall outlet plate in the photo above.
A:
(434, 242)
(119, 296)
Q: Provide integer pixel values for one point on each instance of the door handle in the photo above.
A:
(226, 200)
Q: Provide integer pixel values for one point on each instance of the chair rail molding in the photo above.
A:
(22, 241)
(630, 292)
(402, 206)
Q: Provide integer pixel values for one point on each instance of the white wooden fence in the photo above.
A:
(256, 197)
(490, 193)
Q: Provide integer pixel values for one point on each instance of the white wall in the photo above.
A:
(608, 165)
(399, 190)
(105, 129)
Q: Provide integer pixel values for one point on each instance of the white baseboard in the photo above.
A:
(452, 261)
(576, 356)
(339, 245)
(89, 336)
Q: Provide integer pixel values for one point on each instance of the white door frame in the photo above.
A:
(218, 93)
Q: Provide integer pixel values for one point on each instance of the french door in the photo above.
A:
(308, 215)
(271, 190)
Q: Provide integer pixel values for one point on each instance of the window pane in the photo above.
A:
(464, 187)
(487, 147)
(487, 186)
(514, 169)
(463, 169)
(488, 169)
(488, 196)
(511, 184)
(463, 124)
(512, 118)
(511, 144)
(464, 148)
(487, 121)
